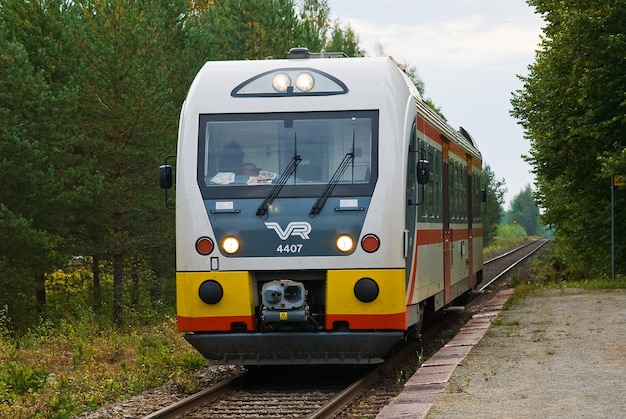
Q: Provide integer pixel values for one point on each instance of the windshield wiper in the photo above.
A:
(321, 201)
(291, 168)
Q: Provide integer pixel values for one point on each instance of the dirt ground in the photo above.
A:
(554, 354)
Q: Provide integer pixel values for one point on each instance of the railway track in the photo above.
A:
(334, 392)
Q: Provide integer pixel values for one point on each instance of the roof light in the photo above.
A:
(281, 82)
(305, 82)
(290, 82)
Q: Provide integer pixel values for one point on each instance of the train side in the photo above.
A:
(321, 209)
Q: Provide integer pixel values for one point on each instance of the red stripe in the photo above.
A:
(413, 277)
(425, 237)
(436, 135)
(213, 324)
(368, 321)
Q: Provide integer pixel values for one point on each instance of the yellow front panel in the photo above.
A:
(238, 297)
(340, 292)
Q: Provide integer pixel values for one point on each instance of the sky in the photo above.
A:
(469, 54)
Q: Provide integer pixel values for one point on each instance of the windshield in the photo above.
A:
(252, 152)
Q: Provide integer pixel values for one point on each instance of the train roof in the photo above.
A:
(217, 82)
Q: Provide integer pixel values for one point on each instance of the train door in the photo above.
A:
(470, 220)
(445, 218)
(412, 196)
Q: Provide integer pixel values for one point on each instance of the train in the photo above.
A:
(323, 210)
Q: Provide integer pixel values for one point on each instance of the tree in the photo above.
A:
(248, 29)
(524, 212)
(34, 121)
(572, 110)
(126, 55)
(344, 40)
(494, 189)
(314, 22)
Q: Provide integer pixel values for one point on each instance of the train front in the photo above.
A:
(283, 255)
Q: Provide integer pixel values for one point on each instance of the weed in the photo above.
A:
(420, 357)
(21, 378)
(455, 388)
(497, 321)
(488, 375)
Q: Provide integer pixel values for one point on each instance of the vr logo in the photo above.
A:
(294, 228)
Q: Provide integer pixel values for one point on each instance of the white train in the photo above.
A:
(322, 208)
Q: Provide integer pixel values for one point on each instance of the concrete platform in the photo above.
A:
(429, 381)
(558, 353)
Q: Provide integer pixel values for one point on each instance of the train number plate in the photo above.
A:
(289, 248)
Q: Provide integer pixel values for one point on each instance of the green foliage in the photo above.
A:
(63, 368)
(21, 378)
(511, 232)
(250, 29)
(314, 22)
(344, 40)
(573, 110)
(492, 209)
(524, 211)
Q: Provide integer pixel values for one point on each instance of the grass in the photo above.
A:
(74, 360)
(60, 370)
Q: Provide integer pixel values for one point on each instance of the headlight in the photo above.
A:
(305, 82)
(345, 243)
(281, 82)
(230, 245)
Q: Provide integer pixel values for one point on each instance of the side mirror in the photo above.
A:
(423, 172)
(483, 195)
(165, 176)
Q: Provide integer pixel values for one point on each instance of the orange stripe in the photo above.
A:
(435, 135)
(412, 281)
(430, 131)
(213, 324)
(369, 321)
(425, 237)
(459, 234)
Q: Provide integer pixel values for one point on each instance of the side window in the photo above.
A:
(438, 185)
(412, 194)
(424, 198)
(430, 195)
(452, 189)
(476, 198)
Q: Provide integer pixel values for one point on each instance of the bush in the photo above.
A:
(64, 367)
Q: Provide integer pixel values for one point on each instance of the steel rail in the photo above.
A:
(196, 399)
(493, 259)
(357, 388)
(494, 279)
